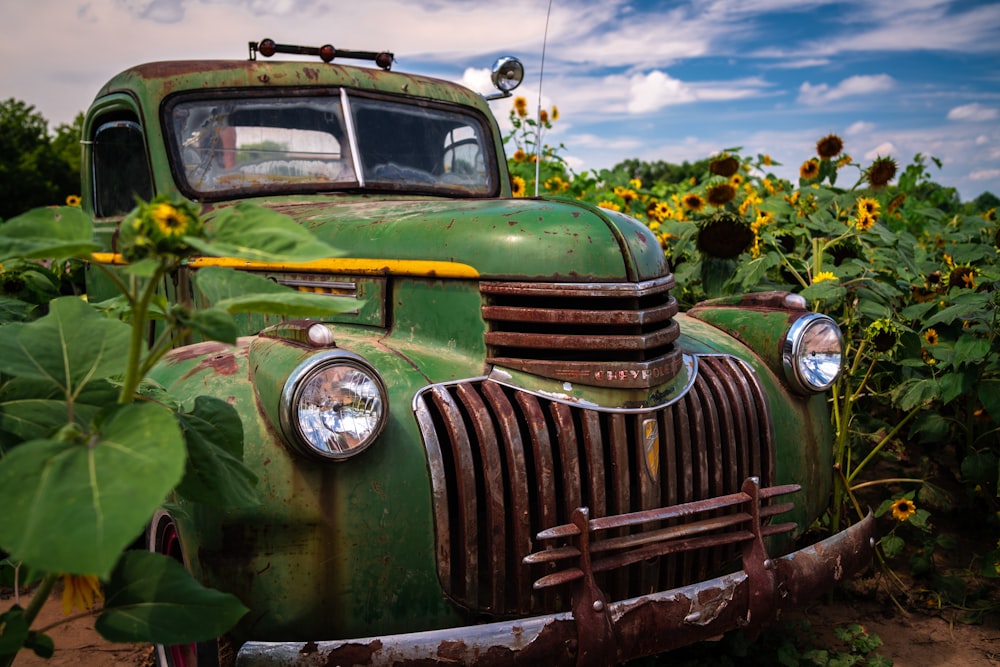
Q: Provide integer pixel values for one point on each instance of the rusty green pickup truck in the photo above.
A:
(514, 449)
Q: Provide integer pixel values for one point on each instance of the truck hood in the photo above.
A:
(522, 239)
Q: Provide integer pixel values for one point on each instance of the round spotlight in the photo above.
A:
(508, 72)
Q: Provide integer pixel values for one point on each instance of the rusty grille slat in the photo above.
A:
(588, 333)
(506, 465)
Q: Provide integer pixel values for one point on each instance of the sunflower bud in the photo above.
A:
(881, 172)
(883, 335)
(829, 146)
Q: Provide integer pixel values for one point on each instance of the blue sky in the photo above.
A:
(642, 79)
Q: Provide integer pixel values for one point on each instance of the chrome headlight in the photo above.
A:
(333, 406)
(812, 353)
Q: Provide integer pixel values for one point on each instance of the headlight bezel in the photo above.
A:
(794, 353)
(302, 378)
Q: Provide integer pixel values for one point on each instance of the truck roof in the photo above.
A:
(163, 78)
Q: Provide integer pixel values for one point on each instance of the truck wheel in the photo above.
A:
(163, 538)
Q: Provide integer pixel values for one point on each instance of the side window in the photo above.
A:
(121, 170)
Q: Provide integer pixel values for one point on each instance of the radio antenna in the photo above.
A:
(538, 111)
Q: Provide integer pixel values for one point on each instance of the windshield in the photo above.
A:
(252, 145)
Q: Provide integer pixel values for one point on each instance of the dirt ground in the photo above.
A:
(914, 640)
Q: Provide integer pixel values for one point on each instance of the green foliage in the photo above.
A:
(35, 168)
(152, 598)
(90, 449)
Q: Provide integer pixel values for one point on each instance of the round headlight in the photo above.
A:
(812, 353)
(333, 406)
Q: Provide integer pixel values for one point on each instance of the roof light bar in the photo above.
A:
(326, 53)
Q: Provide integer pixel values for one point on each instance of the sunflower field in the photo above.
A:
(913, 278)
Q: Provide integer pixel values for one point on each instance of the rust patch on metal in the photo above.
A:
(196, 350)
(353, 654)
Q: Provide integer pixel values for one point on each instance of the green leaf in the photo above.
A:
(954, 385)
(152, 598)
(14, 310)
(48, 233)
(970, 349)
(13, 630)
(891, 545)
(911, 393)
(215, 472)
(989, 396)
(73, 506)
(825, 290)
(213, 324)
(70, 347)
(249, 231)
(33, 409)
(980, 468)
(242, 292)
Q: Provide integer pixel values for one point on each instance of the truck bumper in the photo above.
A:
(599, 633)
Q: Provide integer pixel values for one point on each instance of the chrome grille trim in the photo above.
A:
(506, 465)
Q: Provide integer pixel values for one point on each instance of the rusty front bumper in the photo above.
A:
(601, 633)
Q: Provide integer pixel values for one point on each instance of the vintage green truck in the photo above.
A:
(514, 449)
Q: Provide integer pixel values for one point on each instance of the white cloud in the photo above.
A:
(973, 112)
(884, 149)
(985, 175)
(860, 127)
(478, 79)
(653, 91)
(854, 85)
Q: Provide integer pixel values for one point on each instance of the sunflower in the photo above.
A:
(517, 186)
(725, 236)
(543, 117)
(864, 222)
(962, 275)
(882, 171)
(896, 203)
(609, 205)
(868, 206)
(719, 195)
(823, 275)
(73, 200)
(519, 155)
(829, 146)
(169, 220)
(931, 336)
(521, 106)
(903, 509)
(725, 166)
(693, 202)
(80, 592)
(883, 334)
(555, 113)
(809, 169)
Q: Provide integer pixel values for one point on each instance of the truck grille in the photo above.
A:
(506, 464)
(601, 334)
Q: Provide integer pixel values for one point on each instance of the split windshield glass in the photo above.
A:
(239, 146)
